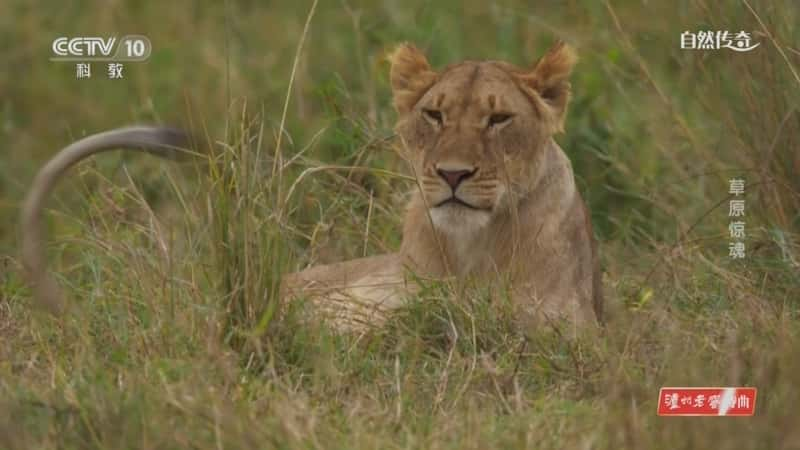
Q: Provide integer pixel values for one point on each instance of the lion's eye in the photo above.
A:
(499, 119)
(433, 116)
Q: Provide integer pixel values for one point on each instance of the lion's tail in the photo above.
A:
(160, 141)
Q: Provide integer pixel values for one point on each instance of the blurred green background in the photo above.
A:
(648, 122)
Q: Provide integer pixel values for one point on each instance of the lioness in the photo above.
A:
(496, 198)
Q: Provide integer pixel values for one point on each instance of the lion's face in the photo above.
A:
(474, 132)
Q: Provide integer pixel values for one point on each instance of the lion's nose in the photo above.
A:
(455, 177)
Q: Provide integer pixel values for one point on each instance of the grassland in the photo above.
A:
(173, 340)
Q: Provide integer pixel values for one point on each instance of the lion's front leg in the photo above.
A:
(351, 296)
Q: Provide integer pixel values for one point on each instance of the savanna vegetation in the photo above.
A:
(176, 337)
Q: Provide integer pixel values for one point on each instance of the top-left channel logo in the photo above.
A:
(92, 48)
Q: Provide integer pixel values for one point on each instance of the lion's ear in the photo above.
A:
(550, 79)
(411, 76)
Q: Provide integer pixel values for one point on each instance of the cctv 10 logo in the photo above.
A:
(128, 48)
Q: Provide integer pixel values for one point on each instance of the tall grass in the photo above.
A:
(178, 339)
